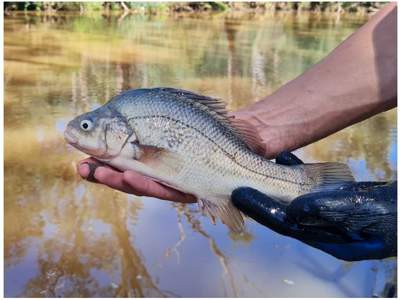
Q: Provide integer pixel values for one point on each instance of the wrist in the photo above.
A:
(289, 118)
(277, 131)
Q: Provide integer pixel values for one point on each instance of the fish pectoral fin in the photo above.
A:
(228, 214)
(149, 152)
(162, 159)
(328, 175)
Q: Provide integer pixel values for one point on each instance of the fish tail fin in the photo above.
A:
(228, 214)
(327, 175)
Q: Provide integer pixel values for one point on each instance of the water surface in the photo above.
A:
(68, 237)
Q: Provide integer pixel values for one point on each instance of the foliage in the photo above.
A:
(156, 7)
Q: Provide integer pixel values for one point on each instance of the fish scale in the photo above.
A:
(187, 141)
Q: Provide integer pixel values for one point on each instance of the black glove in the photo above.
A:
(356, 221)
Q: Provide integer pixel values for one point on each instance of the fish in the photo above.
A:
(192, 143)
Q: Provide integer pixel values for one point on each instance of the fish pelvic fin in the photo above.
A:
(327, 175)
(226, 212)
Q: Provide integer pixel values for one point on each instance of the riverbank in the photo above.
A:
(172, 7)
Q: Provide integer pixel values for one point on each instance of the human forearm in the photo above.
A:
(357, 80)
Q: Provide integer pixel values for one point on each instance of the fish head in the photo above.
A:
(101, 133)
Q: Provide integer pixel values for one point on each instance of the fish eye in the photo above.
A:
(86, 125)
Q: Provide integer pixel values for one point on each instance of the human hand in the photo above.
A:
(356, 221)
(129, 181)
(309, 107)
(270, 141)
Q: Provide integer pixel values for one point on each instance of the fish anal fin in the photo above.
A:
(328, 175)
(226, 212)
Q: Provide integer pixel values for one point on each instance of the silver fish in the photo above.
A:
(188, 141)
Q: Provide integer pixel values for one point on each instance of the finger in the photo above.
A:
(83, 166)
(363, 186)
(320, 208)
(272, 214)
(348, 214)
(145, 186)
(83, 169)
(92, 169)
(96, 162)
(287, 158)
(112, 178)
(263, 209)
(354, 251)
(87, 167)
(132, 182)
(90, 159)
(360, 220)
(340, 206)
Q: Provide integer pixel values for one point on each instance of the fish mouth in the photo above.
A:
(70, 137)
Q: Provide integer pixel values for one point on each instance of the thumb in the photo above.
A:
(261, 208)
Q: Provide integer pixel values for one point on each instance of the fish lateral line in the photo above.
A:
(231, 156)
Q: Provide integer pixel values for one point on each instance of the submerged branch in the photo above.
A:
(223, 260)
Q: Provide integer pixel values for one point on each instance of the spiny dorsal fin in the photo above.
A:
(249, 135)
(217, 108)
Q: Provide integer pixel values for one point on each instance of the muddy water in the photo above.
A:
(67, 237)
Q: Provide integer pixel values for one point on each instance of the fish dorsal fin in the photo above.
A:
(217, 108)
(249, 135)
(214, 105)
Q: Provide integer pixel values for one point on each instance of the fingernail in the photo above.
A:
(87, 170)
(92, 170)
